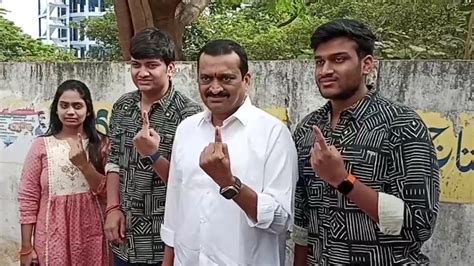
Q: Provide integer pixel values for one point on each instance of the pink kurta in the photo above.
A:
(55, 195)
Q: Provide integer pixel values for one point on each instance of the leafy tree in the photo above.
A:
(281, 29)
(18, 46)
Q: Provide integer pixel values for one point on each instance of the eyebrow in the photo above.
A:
(332, 55)
(62, 101)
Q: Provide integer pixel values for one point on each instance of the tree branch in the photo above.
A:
(288, 21)
(190, 10)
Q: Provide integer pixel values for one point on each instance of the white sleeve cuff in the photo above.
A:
(266, 207)
(167, 235)
(300, 235)
(391, 213)
(112, 168)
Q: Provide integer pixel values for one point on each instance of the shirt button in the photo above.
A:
(167, 114)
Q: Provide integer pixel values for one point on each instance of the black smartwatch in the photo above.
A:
(231, 192)
(346, 186)
(149, 160)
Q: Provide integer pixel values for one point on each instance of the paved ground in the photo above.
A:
(8, 253)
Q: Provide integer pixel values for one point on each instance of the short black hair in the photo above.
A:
(352, 29)
(225, 47)
(153, 43)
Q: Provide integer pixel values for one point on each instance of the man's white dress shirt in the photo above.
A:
(205, 228)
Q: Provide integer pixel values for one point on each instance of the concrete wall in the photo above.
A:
(441, 92)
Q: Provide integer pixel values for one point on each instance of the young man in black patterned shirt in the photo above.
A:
(368, 188)
(142, 129)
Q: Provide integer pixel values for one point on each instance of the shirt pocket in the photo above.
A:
(367, 164)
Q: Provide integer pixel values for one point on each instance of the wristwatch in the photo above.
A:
(346, 186)
(149, 160)
(231, 192)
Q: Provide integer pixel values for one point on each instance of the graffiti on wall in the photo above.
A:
(455, 155)
(21, 122)
(20, 119)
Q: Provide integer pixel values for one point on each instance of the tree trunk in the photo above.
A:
(171, 16)
(469, 46)
(164, 19)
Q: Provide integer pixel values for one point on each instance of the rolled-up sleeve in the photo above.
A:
(29, 192)
(173, 189)
(275, 202)
(414, 179)
(391, 212)
(112, 164)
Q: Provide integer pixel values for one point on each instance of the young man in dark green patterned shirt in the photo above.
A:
(142, 130)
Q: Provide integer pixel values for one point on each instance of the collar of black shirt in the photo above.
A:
(164, 102)
(358, 109)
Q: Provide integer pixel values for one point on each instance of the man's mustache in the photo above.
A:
(220, 94)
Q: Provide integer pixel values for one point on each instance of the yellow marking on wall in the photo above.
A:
(278, 112)
(455, 154)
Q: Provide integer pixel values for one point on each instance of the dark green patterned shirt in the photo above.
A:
(142, 192)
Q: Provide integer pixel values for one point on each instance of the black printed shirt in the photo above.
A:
(388, 148)
(142, 192)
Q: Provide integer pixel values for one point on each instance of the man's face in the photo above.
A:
(221, 85)
(151, 74)
(339, 72)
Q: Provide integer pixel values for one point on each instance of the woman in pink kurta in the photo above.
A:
(62, 187)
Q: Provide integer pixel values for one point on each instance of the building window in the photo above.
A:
(74, 34)
(93, 5)
(63, 33)
(83, 52)
(83, 5)
(73, 6)
(102, 5)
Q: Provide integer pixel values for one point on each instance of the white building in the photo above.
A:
(57, 17)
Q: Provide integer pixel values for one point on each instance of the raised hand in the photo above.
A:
(147, 140)
(77, 153)
(215, 161)
(326, 161)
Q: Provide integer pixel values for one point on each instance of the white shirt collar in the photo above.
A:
(242, 114)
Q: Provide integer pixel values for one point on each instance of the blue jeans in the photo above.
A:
(119, 262)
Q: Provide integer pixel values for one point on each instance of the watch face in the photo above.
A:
(229, 194)
(345, 187)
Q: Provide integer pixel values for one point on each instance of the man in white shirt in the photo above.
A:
(232, 175)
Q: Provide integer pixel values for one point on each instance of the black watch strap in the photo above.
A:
(154, 157)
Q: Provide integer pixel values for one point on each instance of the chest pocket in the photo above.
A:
(367, 163)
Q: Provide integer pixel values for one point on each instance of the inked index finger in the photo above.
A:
(146, 122)
(320, 139)
(218, 135)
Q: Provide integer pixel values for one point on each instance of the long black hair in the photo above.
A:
(95, 138)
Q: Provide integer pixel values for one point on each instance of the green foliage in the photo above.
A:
(420, 29)
(104, 31)
(281, 29)
(18, 46)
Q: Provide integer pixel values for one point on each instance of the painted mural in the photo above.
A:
(21, 122)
